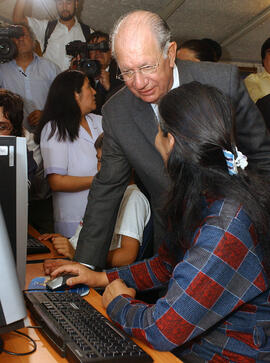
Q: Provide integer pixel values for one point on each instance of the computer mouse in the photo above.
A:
(59, 283)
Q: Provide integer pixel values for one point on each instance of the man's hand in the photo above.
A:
(114, 289)
(34, 117)
(50, 265)
(85, 275)
(74, 62)
(104, 79)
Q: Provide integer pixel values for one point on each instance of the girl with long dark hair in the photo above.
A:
(216, 257)
(67, 132)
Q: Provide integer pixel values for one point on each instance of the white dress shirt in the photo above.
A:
(60, 37)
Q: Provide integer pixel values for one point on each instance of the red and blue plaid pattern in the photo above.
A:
(217, 307)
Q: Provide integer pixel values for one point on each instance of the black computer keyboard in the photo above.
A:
(79, 332)
(35, 246)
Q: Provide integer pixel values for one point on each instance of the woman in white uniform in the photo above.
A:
(67, 132)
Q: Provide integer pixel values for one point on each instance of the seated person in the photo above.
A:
(216, 261)
(133, 215)
(66, 133)
(30, 76)
(258, 84)
(11, 124)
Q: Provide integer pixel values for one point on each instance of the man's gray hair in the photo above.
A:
(158, 26)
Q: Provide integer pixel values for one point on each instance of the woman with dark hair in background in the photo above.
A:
(216, 261)
(67, 132)
(11, 114)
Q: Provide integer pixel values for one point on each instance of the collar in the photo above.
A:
(176, 80)
(176, 83)
(265, 74)
(75, 24)
(36, 57)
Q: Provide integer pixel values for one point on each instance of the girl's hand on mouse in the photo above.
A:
(84, 275)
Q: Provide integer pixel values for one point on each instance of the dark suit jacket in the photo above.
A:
(130, 128)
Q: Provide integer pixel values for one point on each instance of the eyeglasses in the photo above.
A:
(5, 127)
(145, 70)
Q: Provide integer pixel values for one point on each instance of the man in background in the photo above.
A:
(30, 76)
(258, 84)
(106, 83)
(196, 50)
(53, 36)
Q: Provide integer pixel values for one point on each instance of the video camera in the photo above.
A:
(92, 68)
(8, 49)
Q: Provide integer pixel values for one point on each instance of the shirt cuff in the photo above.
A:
(92, 267)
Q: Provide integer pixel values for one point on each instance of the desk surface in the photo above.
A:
(45, 352)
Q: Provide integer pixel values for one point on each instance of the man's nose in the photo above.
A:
(93, 91)
(139, 81)
(65, 5)
(93, 53)
(21, 38)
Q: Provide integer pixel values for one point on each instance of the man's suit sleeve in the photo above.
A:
(252, 137)
(103, 202)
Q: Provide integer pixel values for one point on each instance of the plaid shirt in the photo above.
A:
(217, 307)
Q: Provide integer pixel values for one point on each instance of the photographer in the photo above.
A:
(54, 35)
(28, 75)
(94, 58)
(106, 83)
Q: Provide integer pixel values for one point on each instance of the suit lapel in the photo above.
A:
(145, 118)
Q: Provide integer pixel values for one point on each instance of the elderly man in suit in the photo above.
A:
(146, 57)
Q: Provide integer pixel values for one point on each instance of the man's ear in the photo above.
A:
(172, 53)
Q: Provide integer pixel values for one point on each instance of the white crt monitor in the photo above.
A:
(14, 198)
